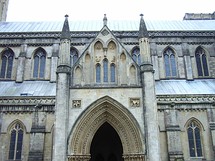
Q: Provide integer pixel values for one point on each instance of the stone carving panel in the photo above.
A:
(76, 103)
(134, 102)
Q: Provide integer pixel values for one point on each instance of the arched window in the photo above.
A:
(6, 63)
(74, 56)
(170, 63)
(201, 62)
(136, 55)
(98, 73)
(16, 141)
(105, 70)
(39, 64)
(194, 139)
(112, 72)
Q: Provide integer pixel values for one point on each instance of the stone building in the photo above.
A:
(107, 91)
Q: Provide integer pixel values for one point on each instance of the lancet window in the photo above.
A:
(39, 63)
(74, 56)
(136, 55)
(194, 139)
(7, 63)
(16, 142)
(201, 62)
(170, 63)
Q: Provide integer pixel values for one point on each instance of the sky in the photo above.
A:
(54, 10)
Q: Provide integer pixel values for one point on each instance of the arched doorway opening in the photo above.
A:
(102, 112)
(106, 145)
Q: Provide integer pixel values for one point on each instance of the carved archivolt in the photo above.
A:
(105, 110)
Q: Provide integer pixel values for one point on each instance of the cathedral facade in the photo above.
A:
(107, 90)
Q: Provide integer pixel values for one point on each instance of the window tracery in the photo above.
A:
(16, 142)
(7, 64)
(74, 56)
(136, 55)
(39, 64)
(98, 73)
(170, 63)
(194, 139)
(201, 62)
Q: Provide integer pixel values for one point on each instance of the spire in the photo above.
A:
(105, 20)
(65, 31)
(142, 30)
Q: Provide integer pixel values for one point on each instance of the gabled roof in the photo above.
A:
(168, 25)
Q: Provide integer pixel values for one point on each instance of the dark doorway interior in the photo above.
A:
(106, 145)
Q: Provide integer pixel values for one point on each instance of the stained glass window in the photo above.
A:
(170, 63)
(136, 55)
(98, 73)
(105, 70)
(74, 56)
(6, 64)
(194, 139)
(113, 72)
(16, 141)
(201, 62)
(39, 64)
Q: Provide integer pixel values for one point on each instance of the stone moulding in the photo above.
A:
(105, 110)
(25, 100)
(186, 99)
(120, 34)
(25, 104)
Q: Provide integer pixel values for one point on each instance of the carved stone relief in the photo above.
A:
(76, 103)
(134, 102)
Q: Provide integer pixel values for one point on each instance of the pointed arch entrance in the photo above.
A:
(106, 145)
(103, 113)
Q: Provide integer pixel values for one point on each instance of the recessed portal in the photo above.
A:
(106, 145)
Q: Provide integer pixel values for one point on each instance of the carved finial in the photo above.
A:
(65, 34)
(105, 20)
(142, 29)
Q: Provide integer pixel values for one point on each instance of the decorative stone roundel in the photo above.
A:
(105, 110)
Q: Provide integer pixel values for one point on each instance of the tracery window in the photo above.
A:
(136, 55)
(6, 63)
(105, 70)
(201, 62)
(16, 141)
(74, 56)
(39, 64)
(170, 63)
(194, 139)
(98, 73)
(113, 72)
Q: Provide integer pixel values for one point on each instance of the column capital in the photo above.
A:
(63, 69)
(146, 67)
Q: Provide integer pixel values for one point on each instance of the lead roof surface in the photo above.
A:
(173, 25)
(163, 87)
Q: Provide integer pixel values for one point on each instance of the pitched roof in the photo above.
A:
(163, 87)
(173, 25)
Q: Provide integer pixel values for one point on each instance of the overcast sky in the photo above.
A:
(54, 10)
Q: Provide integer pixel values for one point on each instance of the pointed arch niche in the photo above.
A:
(106, 110)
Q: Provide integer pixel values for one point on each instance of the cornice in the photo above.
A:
(119, 34)
(10, 105)
(185, 99)
(27, 100)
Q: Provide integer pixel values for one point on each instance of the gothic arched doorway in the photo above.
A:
(106, 145)
(106, 112)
